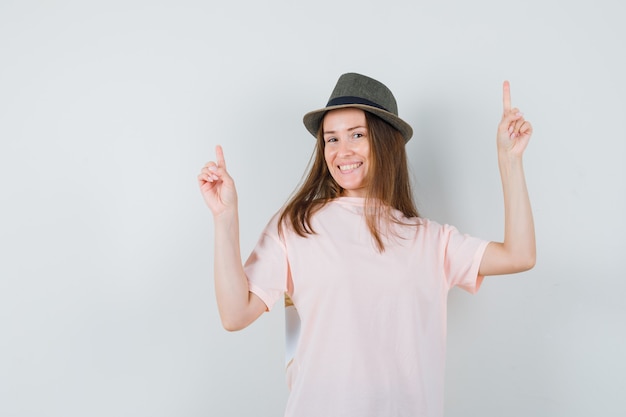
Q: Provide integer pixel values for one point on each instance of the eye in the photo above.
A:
(331, 139)
(357, 135)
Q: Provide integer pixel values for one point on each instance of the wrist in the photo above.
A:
(505, 156)
(226, 216)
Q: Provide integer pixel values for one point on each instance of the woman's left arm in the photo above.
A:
(517, 253)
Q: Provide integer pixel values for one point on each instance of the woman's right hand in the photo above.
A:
(216, 186)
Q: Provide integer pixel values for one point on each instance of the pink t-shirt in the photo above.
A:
(373, 325)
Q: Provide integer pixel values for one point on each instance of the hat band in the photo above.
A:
(338, 101)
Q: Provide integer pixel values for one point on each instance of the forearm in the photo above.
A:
(519, 228)
(231, 284)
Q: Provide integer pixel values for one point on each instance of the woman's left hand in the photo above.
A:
(513, 131)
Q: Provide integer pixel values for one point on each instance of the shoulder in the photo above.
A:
(431, 229)
(272, 228)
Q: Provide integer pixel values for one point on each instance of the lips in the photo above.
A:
(349, 167)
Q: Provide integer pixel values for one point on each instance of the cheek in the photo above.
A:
(328, 157)
(365, 149)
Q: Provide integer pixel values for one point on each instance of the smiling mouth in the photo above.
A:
(350, 167)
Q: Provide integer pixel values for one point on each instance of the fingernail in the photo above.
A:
(511, 129)
(212, 168)
(519, 113)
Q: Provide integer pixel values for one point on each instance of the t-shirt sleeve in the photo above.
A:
(267, 267)
(462, 257)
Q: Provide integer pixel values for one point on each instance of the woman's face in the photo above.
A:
(347, 149)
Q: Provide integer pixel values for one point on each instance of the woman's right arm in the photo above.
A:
(238, 307)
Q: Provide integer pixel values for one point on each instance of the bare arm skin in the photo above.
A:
(517, 253)
(238, 307)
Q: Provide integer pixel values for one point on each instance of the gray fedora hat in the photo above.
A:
(356, 90)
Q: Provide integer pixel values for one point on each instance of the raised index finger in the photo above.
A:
(506, 96)
(219, 155)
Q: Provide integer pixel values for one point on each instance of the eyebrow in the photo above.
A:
(329, 132)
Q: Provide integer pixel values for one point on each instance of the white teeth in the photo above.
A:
(349, 167)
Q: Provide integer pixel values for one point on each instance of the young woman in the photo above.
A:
(368, 276)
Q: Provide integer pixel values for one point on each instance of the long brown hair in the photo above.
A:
(388, 179)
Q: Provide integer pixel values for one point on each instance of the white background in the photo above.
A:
(109, 109)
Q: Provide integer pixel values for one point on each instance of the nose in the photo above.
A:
(345, 148)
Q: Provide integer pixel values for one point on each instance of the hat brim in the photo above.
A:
(313, 119)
